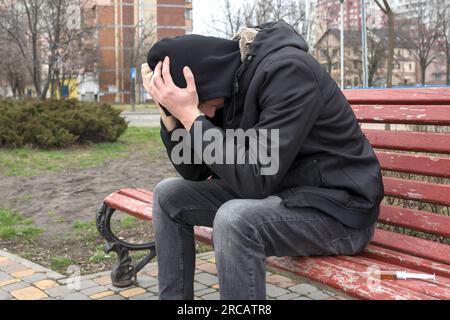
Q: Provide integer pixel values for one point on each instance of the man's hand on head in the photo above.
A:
(169, 122)
(182, 103)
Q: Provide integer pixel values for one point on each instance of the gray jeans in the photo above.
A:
(245, 232)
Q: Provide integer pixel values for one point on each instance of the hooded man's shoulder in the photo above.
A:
(292, 55)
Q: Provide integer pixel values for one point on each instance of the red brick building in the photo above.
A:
(328, 12)
(120, 25)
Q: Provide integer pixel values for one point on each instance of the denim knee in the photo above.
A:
(163, 196)
(230, 225)
(165, 190)
(166, 187)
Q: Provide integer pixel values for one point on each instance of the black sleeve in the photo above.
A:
(190, 171)
(290, 101)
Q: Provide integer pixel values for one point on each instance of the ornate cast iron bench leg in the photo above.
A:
(124, 271)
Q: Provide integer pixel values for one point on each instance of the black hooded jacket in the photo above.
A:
(326, 162)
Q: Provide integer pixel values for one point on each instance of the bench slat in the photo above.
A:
(419, 164)
(352, 281)
(422, 115)
(438, 288)
(425, 249)
(203, 234)
(440, 281)
(409, 141)
(145, 191)
(386, 247)
(433, 223)
(138, 195)
(405, 260)
(417, 190)
(331, 274)
(136, 208)
(389, 214)
(399, 96)
(422, 248)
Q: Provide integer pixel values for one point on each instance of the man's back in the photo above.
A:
(331, 163)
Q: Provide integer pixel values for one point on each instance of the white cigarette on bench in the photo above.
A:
(397, 275)
(404, 275)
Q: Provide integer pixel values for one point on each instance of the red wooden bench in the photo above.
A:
(389, 250)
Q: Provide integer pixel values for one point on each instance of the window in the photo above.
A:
(438, 76)
(188, 14)
(410, 66)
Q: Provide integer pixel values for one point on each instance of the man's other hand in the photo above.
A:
(147, 75)
(182, 103)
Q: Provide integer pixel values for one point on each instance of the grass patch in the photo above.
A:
(201, 248)
(61, 263)
(29, 161)
(128, 222)
(100, 256)
(138, 107)
(61, 220)
(13, 225)
(83, 225)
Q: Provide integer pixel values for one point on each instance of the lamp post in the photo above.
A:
(342, 45)
(364, 44)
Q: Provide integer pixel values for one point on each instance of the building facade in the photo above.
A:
(327, 52)
(328, 13)
(126, 30)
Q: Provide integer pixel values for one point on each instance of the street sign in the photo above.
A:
(133, 73)
(65, 91)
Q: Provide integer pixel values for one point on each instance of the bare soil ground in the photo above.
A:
(63, 205)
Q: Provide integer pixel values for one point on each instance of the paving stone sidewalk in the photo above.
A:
(21, 279)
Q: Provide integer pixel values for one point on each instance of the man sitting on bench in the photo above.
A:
(297, 177)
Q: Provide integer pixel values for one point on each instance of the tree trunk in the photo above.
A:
(447, 54)
(391, 46)
(423, 69)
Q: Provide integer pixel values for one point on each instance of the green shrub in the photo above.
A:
(57, 123)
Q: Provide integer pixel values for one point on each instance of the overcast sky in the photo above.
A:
(203, 10)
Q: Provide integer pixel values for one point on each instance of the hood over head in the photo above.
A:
(270, 37)
(224, 68)
(213, 61)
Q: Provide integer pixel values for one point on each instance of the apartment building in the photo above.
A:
(122, 27)
(327, 52)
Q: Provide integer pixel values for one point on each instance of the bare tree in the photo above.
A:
(12, 68)
(20, 27)
(293, 12)
(386, 9)
(137, 39)
(232, 18)
(325, 48)
(39, 29)
(377, 52)
(422, 32)
(443, 12)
